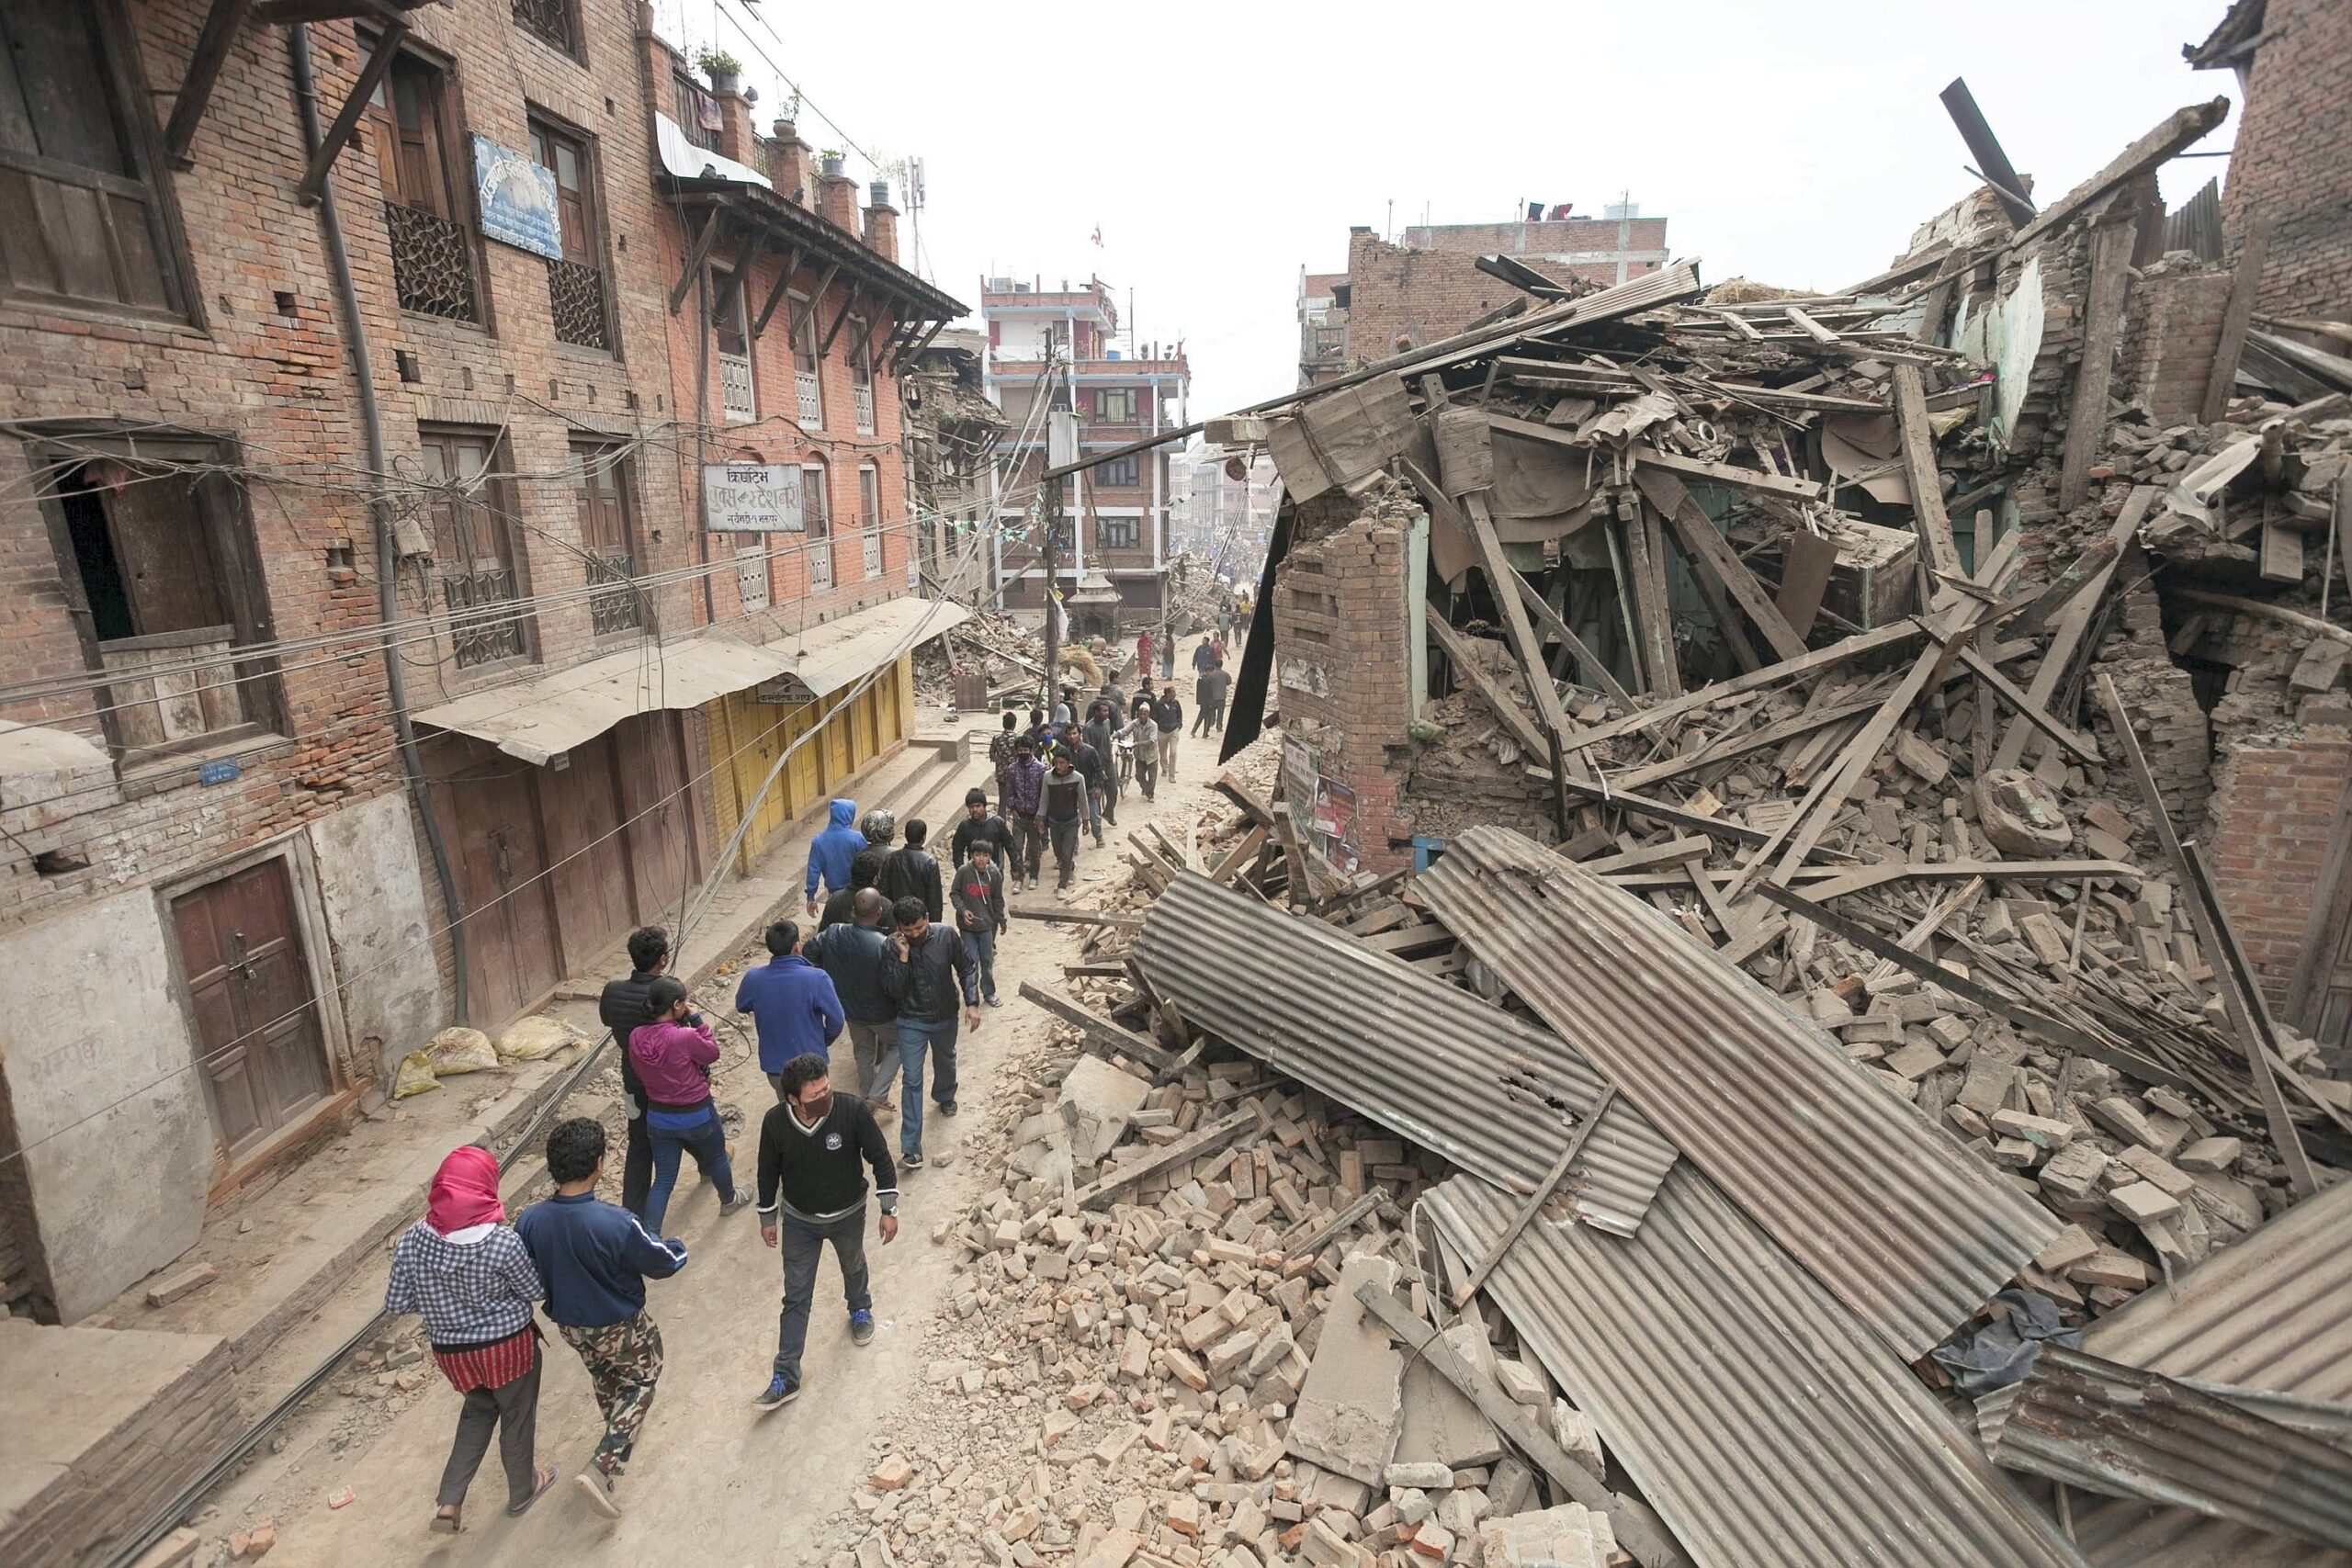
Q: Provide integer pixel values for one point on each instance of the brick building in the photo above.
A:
(1059, 348)
(1427, 285)
(2292, 161)
(212, 850)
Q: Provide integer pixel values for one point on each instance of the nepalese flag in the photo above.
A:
(1098, 235)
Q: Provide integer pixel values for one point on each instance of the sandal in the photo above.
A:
(445, 1521)
(546, 1477)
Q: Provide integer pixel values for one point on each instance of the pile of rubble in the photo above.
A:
(992, 657)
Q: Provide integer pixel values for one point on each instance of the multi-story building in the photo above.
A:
(252, 537)
(1055, 350)
(1427, 285)
(1226, 516)
(952, 433)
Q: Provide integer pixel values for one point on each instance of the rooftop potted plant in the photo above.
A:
(830, 163)
(726, 72)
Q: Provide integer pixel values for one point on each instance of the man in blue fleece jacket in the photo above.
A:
(831, 852)
(594, 1258)
(791, 1001)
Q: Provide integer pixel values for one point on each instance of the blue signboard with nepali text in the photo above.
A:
(517, 200)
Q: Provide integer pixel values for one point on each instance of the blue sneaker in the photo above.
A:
(861, 1327)
(778, 1391)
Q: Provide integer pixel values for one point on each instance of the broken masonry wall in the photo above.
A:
(2175, 733)
(2171, 330)
(2275, 799)
(1343, 656)
(1422, 295)
(2293, 159)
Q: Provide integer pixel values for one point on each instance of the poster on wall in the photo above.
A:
(751, 498)
(517, 200)
(1301, 767)
(1335, 809)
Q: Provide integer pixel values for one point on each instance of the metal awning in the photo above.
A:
(541, 717)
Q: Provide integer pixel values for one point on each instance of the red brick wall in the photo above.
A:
(2293, 159)
(1344, 667)
(2275, 802)
(1429, 294)
(2173, 325)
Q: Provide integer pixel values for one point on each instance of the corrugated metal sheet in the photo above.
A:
(1494, 1094)
(1766, 1425)
(2273, 1312)
(1897, 1221)
(2114, 1429)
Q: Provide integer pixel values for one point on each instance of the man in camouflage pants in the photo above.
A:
(594, 1258)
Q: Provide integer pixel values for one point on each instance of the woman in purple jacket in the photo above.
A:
(673, 1056)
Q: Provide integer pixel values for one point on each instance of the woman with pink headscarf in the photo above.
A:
(466, 1272)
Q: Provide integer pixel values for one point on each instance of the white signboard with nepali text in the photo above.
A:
(751, 498)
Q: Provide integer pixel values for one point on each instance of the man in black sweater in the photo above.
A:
(811, 1191)
(980, 823)
(621, 1009)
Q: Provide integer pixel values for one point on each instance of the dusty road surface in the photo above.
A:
(713, 1481)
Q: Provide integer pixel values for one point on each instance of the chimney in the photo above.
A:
(837, 197)
(790, 168)
(881, 221)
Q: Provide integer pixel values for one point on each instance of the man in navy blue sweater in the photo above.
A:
(792, 1003)
(594, 1258)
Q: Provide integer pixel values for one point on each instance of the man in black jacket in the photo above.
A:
(925, 969)
(980, 824)
(911, 872)
(852, 954)
(621, 1008)
(811, 1191)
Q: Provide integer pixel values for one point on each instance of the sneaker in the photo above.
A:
(778, 1391)
(947, 1107)
(996, 1001)
(597, 1487)
(912, 1161)
(861, 1327)
(735, 1205)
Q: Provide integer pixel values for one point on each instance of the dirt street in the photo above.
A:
(713, 1481)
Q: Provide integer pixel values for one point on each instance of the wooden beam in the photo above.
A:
(2081, 745)
(2236, 316)
(1878, 875)
(1075, 917)
(739, 276)
(1919, 469)
(776, 294)
(849, 303)
(2178, 129)
(1095, 1027)
(2241, 996)
(1586, 660)
(2102, 327)
(1536, 1199)
(796, 319)
(1635, 1527)
(1783, 485)
(1810, 327)
(1701, 542)
(1889, 636)
(222, 24)
(1723, 749)
(2072, 625)
(1653, 621)
(1209, 1140)
(346, 118)
(696, 259)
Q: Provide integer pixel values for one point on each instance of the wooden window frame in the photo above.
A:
(577, 50)
(595, 249)
(1104, 395)
(501, 506)
(448, 131)
(1130, 525)
(1110, 472)
(131, 103)
(598, 548)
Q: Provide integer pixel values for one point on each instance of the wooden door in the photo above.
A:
(806, 772)
(587, 856)
(870, 724)
(660, 851)
(743, 747)
(888, 720)
(835, 739)
(259, 1042)
(489, 811)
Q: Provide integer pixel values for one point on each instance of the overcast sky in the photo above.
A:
(1220, 148)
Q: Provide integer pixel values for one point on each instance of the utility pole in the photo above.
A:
(1061, 446)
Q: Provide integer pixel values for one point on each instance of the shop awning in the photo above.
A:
(539, 719)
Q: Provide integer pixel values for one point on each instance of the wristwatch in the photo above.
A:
(891, 1205)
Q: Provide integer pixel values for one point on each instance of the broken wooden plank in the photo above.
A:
(1234, 790)
(1725, 748)
(1703, 544)
(1238, 856)
(1653, 621)
(2081, 745)
(2236, 316)
(1637, 1529)
(1299, 886)
(1536, 1199)
(1217, 1135)
(1648, 855)
(1807, 563)
(1889, 636)
(1075, 917)
(2241, 998)
(2102, 326)
(2281, 558)
(2070, 627)
(1587, 661)
(1919, 437)
(1872, 877)
(1336, 1226)
(2177, 130)
(1783, 485)
(1097, 1028)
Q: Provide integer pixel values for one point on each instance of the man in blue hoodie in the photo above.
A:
(792, 1002)
(594, 1258)
(831, 853)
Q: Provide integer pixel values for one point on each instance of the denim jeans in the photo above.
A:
(920, 1037)
(983, 945)
(697, 1133)
(802, 1242)
(1094, 813)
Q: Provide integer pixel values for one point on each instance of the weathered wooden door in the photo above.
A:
(660, 818)
(587, 853)
(487, 805)
(259, 1042)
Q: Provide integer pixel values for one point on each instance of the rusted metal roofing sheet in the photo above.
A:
(1765, 1424)
(1898, 1222)
(1491, 1092)
(2272, 1313)
(2124, 1432)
